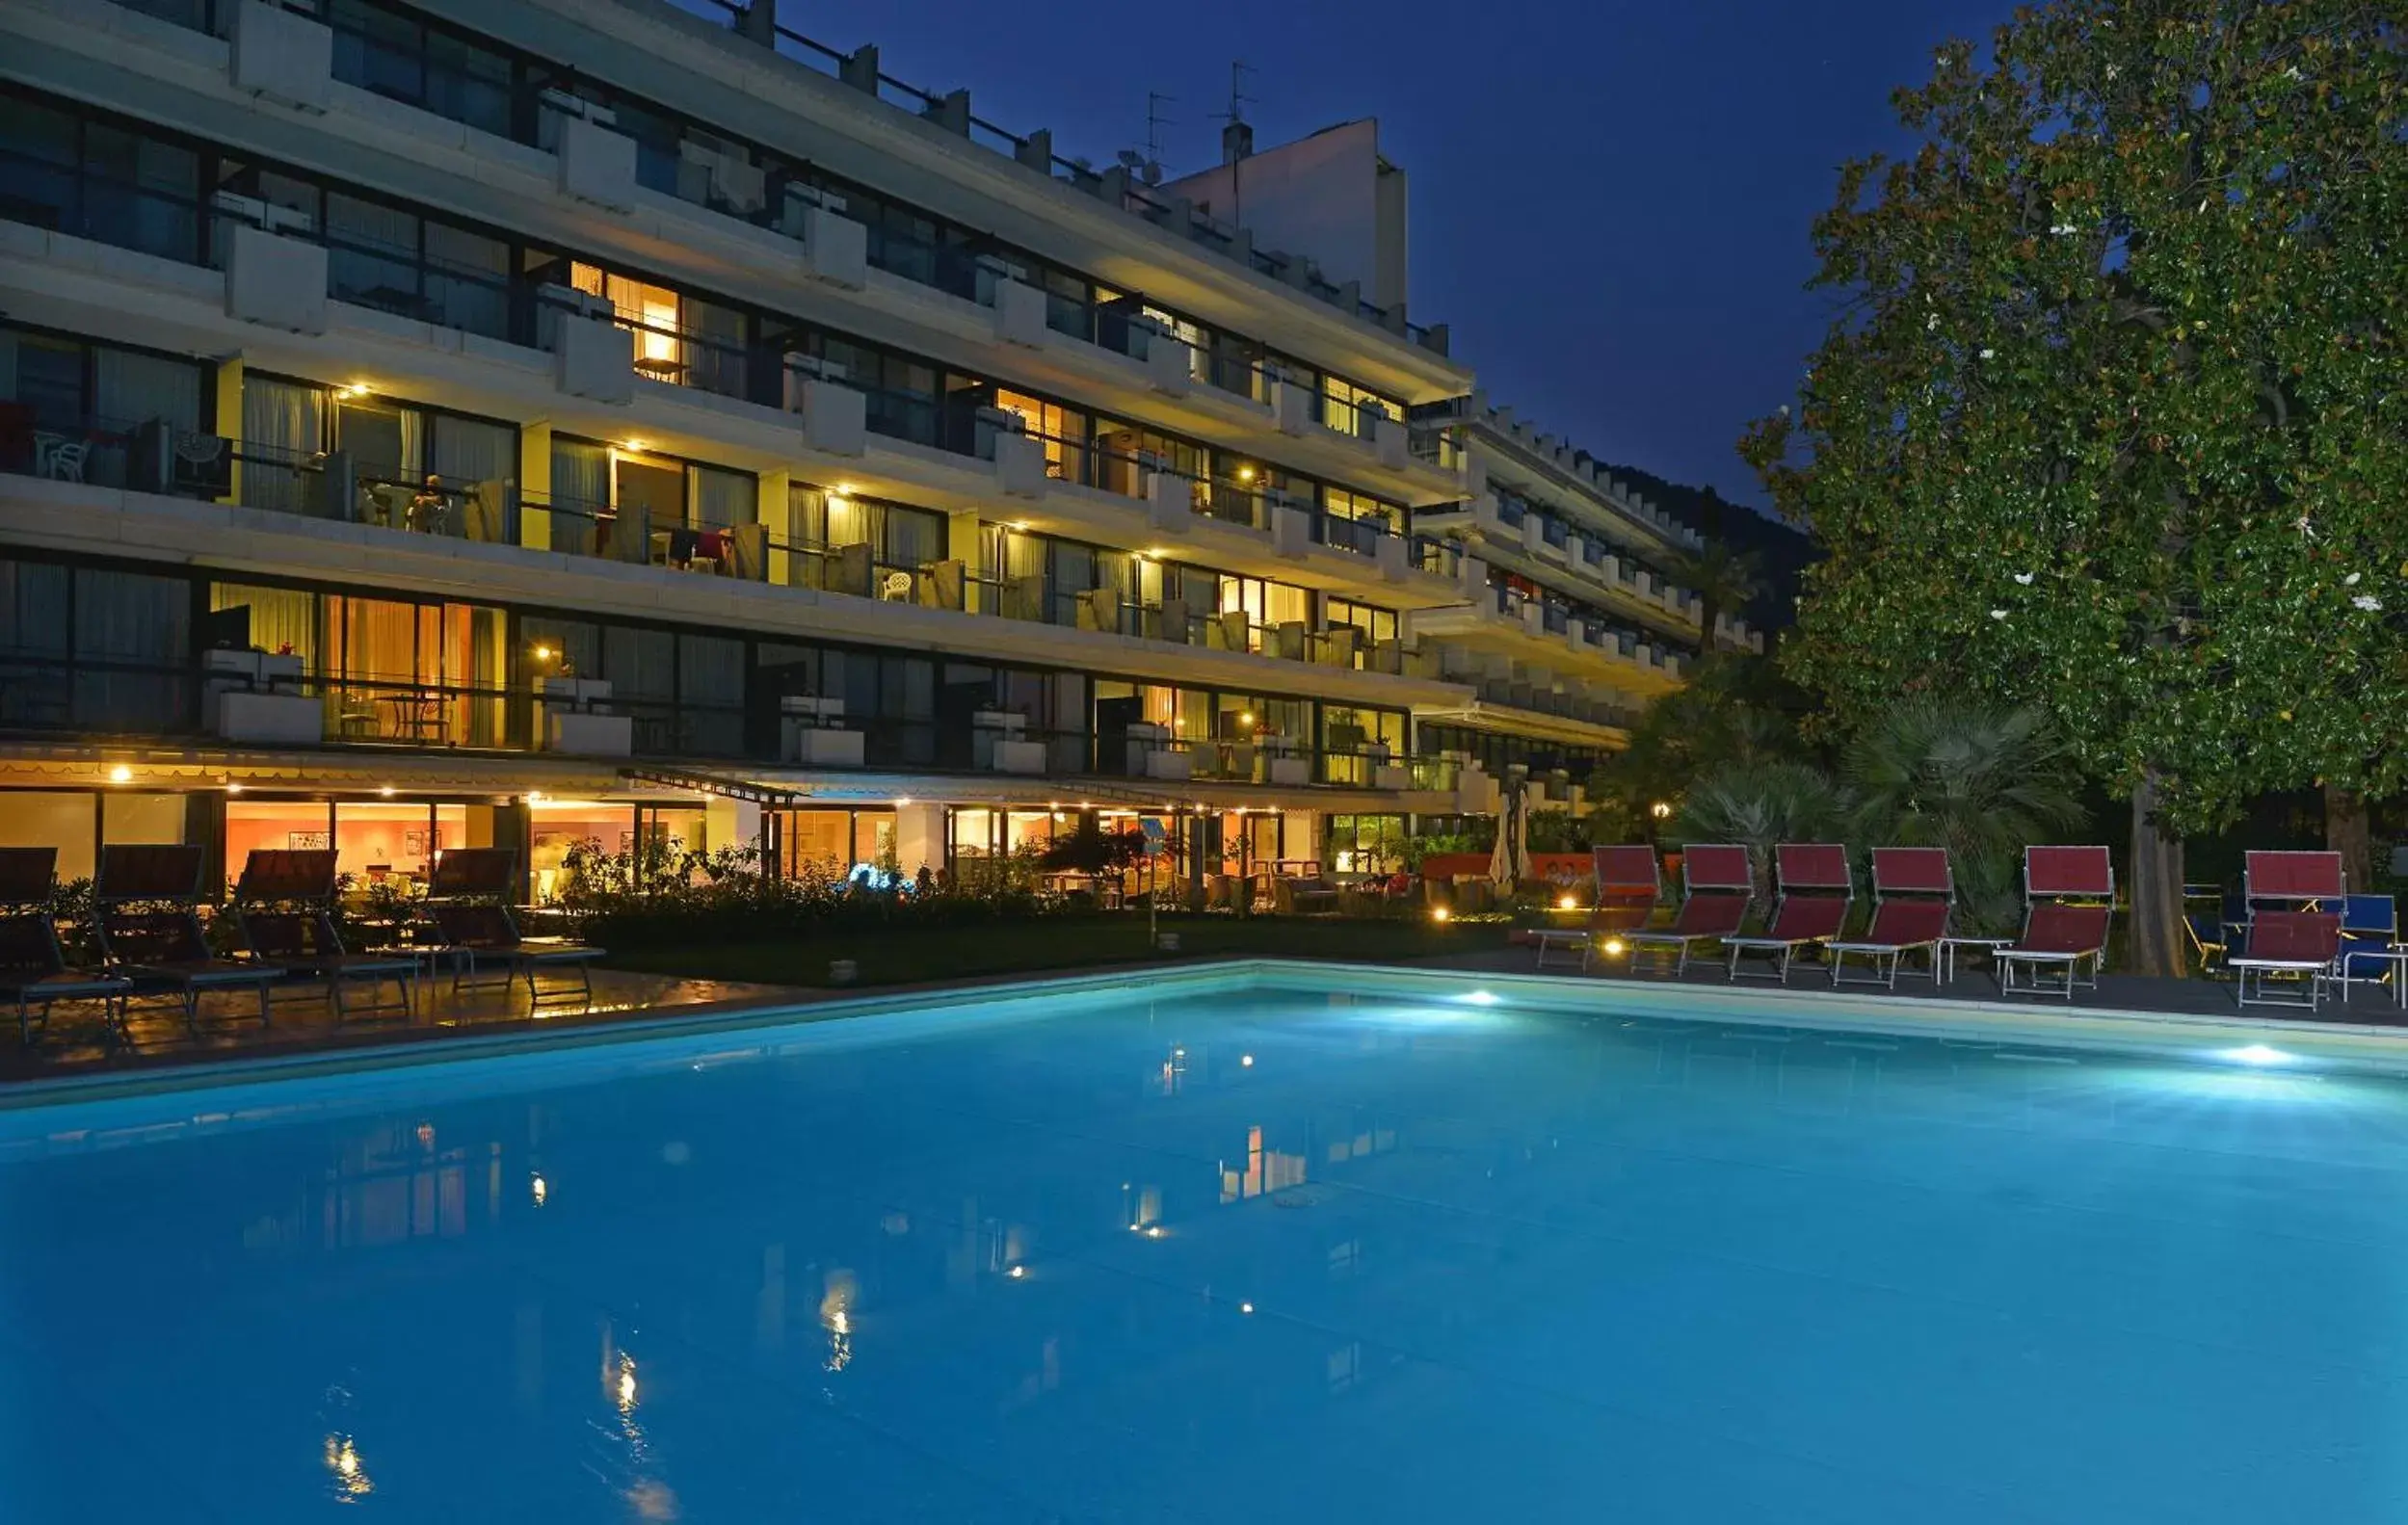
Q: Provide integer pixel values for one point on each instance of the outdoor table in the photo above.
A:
(1950, 945)
(419, 717)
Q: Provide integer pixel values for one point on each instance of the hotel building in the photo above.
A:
(523, 422)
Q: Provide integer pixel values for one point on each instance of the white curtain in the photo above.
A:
(807, 516)
(283, 425)
(723, 499)
(466, 452)
(852, 522)
(580, 474)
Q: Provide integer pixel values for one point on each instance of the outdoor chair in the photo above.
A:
(1817, 891)
(284, 903)
(2304, 945)
(468, 895)
(2207, 928)
(2369, 932)
(2069, 895)
(484, 933)
(1628, 885)
(1913, 894)
(2280, 888)
(1718, 889)
(34, 972)
(2292, 880)
(146, 899)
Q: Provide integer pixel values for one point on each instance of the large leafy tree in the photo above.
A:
(2114, 419)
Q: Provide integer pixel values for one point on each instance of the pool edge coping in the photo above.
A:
(2356, 1047)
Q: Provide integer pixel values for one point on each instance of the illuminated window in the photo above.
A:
(1062, 430)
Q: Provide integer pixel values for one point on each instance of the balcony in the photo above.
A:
(153, 454)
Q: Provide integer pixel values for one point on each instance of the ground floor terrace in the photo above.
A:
(389, 817)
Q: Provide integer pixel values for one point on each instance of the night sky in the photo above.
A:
(1611, 197)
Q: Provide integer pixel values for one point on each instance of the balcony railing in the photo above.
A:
(146, 456)
(433, 80)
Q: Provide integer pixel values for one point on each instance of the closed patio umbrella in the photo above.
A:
(1509, 861)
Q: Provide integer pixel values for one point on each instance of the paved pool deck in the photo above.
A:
(78, 1045)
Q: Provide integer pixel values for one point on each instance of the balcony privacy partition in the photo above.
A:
(65, 167)
(398, 52)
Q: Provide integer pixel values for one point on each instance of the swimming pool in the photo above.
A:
(1279, 1245)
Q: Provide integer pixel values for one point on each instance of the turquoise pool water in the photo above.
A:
(1218, 1253)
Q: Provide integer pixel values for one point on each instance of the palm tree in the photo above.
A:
(1761, 803)
(1981, 782)
(1722, 578)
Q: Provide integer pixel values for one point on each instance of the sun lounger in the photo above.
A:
(1898, 928)
(2304, 945)
(1719, 887)
(1914, 893)
(285, 904)
(144, 899)
(2295, 903)
(1628, 887)
(34, 972)
(1816, 893)
(2069, 905)
(468, 897)
(485, 934)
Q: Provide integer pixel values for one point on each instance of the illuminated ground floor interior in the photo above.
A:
(389, 834)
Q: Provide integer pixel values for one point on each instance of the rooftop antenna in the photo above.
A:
(1236, 137)
(1155, 121)
(1240, 68)
(1147, 165)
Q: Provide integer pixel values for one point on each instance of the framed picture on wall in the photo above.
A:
(308, 841)
(420, 841)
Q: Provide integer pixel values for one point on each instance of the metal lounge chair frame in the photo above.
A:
(468, 895)
(1718, 889)
(2283, 943)
(33, 968)
(2293, 902)
(1630, 885)
(285, 904)
(144, 901)
(1913, 896)
(1815, 892)
(2069, 908)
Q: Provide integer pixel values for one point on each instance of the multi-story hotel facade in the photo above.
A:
(527, 422)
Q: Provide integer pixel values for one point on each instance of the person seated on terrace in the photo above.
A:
(429, 507)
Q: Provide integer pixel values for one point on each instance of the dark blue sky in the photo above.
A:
(1611, 197)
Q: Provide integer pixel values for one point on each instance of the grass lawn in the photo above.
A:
(913, 954)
